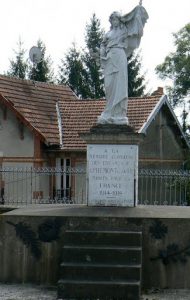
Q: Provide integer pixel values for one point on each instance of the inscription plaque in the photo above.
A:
(111, 174)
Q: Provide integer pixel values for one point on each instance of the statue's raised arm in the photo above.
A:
(135, 21)
(119, 42)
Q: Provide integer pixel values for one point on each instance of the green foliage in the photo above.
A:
(73, 73)
(93, 39)
(177, 66)
(41, 71)
(185, 125)
(18, 66)
(81, 70)
(136, 86)
(94, 34)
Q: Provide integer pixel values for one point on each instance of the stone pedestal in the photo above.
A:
(112, 165)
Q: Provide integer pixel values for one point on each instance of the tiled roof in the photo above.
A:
(36, 102)
(79, 116)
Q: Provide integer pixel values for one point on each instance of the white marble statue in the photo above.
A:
(124, 36)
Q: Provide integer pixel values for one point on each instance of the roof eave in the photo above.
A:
(163, 100)
(20, 116)
(178, 124)
(153, 114)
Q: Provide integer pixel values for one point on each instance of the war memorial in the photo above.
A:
(111, 248)
(112, 175)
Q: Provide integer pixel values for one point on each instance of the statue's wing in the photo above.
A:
(135, 21)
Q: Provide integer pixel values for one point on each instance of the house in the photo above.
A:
(40, 125)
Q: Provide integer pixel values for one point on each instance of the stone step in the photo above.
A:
(119, 238)
(102, 254)
(84, 289)
(101, 265)
(89, 271)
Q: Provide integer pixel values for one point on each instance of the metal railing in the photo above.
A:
(164, 187)
(23, 186)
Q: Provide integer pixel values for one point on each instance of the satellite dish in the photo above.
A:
(35, 54)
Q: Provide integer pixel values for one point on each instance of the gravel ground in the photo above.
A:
(167, 295)
(29, 292)
(25, 292)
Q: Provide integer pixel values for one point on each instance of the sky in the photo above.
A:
(60, 22)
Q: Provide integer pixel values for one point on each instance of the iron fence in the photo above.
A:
(23, 186)
(164, 187)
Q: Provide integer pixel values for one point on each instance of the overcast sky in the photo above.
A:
(60, 22)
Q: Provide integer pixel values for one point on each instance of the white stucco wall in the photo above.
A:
(11, 145)
(18, 187)
(21, 182)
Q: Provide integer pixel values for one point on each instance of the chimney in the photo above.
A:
(159, 91)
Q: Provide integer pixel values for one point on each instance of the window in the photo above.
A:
(63, 179)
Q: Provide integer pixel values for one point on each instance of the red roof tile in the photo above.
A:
(79, 116)
(36, 102)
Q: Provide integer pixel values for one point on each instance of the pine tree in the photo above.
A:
(82, 71)
(136, 86)
(41, 71)
(18, 66)
(73, 73)
(93, 39)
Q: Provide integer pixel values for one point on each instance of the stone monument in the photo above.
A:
(118, 44)
(112, 145)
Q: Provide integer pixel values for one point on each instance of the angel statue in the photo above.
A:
(119, 42)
